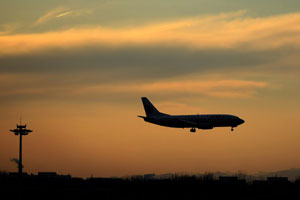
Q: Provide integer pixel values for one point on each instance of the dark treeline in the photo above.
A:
(52, 186)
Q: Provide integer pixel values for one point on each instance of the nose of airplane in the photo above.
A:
(241, 121)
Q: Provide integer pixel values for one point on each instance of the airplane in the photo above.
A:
(204, 122)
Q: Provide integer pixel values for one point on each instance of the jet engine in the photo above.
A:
(205, 126)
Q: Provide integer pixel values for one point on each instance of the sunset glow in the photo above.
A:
(76, 72)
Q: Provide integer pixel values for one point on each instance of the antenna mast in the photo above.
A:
(20, 130)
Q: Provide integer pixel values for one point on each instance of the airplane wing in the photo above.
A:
(197, 125)
(188, 122)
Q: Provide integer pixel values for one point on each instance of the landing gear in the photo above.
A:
(193, 130)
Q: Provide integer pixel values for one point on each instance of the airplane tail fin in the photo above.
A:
(150, 110)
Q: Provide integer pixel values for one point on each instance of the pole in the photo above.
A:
(20, 156)
(20, 130)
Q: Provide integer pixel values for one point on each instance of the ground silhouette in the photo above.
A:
(53, 186)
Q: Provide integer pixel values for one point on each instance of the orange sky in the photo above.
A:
(78, 86)
(109, 140)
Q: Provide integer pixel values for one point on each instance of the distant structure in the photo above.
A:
(149, 176)
(20, 130)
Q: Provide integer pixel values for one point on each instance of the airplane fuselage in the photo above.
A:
(195, 121)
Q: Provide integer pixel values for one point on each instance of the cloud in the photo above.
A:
(60, 12)
(216, 88)
(222, 88)
(155, 61)
(6, 29)
(230, 30)
(64, 14)
(49, 16)
(88, 63)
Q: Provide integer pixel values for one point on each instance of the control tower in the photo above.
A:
(20, 130)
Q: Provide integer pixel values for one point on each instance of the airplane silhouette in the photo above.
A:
(188, 121)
